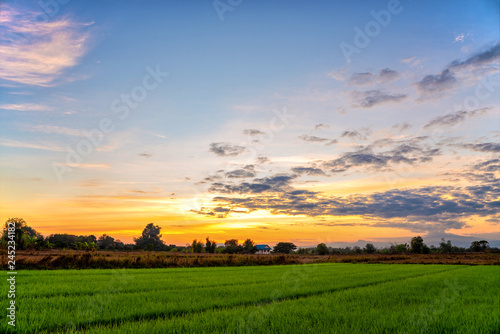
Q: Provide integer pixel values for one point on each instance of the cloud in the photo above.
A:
(50, 129)
(252, 132)
(362, 134)
(483, 147)
(38, 146)
(313, 139)
(26, 106)
(274, 183)
(454, 118)
(146, 155)
(421, 209)
(37, 53)
(338, 75)
(360, 79)
(434, 84)
(307, 171)
(246, 171)
(367, 78)
(483, 58)
(387, 75)
(431, 84)
(226, 149)
(401, 126)
(408, 152)
(370, 98)
(321, 126)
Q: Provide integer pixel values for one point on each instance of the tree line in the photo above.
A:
(150, 239)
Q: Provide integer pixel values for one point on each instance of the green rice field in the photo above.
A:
(312, 298)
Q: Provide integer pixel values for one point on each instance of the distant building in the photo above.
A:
(263, 249)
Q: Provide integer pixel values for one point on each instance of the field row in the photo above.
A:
(182, 300)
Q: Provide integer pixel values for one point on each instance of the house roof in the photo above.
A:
(261, 247)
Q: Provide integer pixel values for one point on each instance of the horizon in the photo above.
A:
(333, 123)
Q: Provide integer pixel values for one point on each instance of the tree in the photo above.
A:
(370, 249)
(197, 246)
(417, 245)
(322, 249)
(106, 242)
(231, 246)
(284, 247)
(249, 246)
(445, 247)
(402, 248)
(210, 246)
(479, 246)
(24, 235)
(62, 240)
(150, 236)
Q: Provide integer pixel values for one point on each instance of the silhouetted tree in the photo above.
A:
(231, 246)
(416, 245)
(322, 249)
(479, 246)
(284, 247)
(210, 246)
(106, 242)
(150, 236)
(197, 246)
(445, 247)
(249, 246)
(370, 249)
(24, 235)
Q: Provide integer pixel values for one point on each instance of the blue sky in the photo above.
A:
(415, 106)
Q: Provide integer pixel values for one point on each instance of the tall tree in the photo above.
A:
(210, 246)
(284, 247)
(24, 235)
(150, 236)
(417, 245)
(249, 246)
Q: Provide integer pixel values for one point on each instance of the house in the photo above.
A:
(263, 249)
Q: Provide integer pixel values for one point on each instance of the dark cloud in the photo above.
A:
(261, 160)
(253, 132)
(371, 98)
(367, 78)
(313, 139)
(454, 118)
(482, 58)
(387, 75)
(360, 134)
(432, 84)
(226, 149)
(146, 155)
(360, 79)
(408, 152)
(401, 126)
(321, 126)
(483, 147)
(419, 209)
(247, 171)
(275, 183)
(307, 171)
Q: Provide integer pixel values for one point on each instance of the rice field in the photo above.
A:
(308, 298)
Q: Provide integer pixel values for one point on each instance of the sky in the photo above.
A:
(326, 121)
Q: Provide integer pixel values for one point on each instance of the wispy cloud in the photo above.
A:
(50, 129)
(26, 106)
(37, 53)
(370, 98)
(38, 146)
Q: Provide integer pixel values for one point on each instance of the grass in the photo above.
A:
(319, 298)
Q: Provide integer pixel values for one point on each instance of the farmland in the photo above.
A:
(320, 298)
